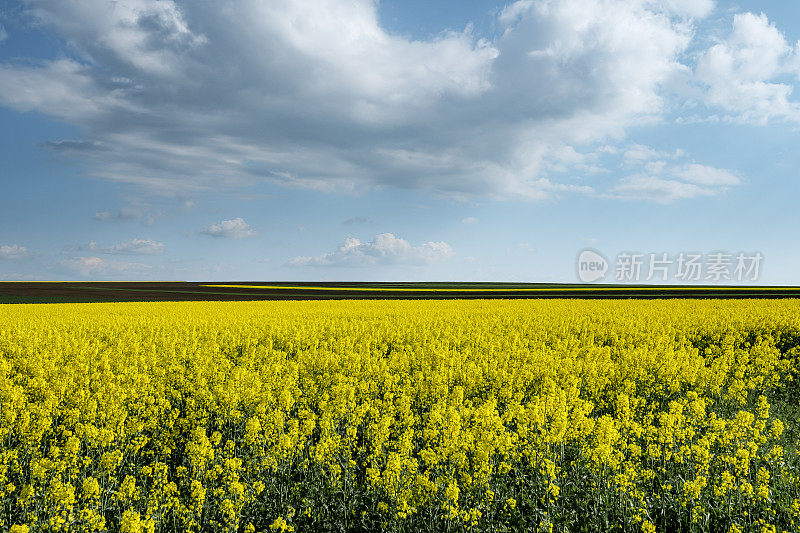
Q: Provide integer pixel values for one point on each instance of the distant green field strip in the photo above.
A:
(591, 288)
(126, 289)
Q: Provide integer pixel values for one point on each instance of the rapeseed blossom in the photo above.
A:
(400, 415)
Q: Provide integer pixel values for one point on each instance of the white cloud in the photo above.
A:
(90, 266)
(742, 74)
(91, 246)
(664, 177)
(384, 249)
(85, 265)
(3, 34)
(63, 89)
(135, 36)
(132, 247)
(236, 228)
(705, 175)
(137, 247)
(346, 104)
(13, 251)
(469, 220)
(690, 8)
(642, 187)
(639, 153)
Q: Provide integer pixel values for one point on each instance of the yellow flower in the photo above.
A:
(280, 525)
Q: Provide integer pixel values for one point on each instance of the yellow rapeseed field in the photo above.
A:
(539, 415)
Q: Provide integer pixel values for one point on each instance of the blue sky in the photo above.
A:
(400, 140)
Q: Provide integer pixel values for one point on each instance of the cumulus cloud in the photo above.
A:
(210, 95)
(384, 249)
(691, 8)
(132, 247)
(137, 247)
(90, 266)
(84, 265)
(665, 177)
(235, 228)
(743, 73)
(63, 89)
(13, 251)
(657, 189)
(135, 36)
(706, 175)
(639, 153)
